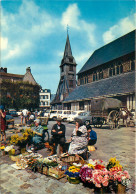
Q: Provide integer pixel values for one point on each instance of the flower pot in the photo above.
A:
(121, 189)
(73, 180)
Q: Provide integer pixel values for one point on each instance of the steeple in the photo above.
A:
(67, 51)
(67, 57)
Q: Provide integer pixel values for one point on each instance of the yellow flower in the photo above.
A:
(90, 166)
(2, 147)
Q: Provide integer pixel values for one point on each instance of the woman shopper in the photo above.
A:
(2, 123)
(79, 140)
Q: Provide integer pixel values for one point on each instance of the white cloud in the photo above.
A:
(24, 28)
(124, 26)
(71, 17)
(4, 43)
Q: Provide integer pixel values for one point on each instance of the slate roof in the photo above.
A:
(119, 47)
(121, 84)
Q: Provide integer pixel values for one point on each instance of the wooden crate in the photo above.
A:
(56, 173)
(45, 170)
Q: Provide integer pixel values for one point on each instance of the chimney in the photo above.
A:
(28, 69)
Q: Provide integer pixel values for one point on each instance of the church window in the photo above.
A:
(71, 60)
(70, 83)
(70, 67)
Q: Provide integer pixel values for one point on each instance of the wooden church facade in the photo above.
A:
(109, 72)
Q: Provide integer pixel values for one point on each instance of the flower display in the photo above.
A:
(119, 176)
(73, 171)
(101, 178)
(113, 163)
(20, 140)
(86, 173)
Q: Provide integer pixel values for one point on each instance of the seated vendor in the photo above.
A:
(38, 133)
(92, 135)
(58, 136)
(79, 141)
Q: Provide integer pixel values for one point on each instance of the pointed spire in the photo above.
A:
(67, 51)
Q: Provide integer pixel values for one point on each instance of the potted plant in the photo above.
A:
(73, 175)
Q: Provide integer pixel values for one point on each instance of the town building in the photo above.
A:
(109, 72)
(19, 91)
(45, 98)
(67, 81)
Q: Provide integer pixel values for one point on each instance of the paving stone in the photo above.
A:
(25, 186)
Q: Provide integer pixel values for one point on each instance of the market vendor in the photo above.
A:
(38, 133)
(58, 136)
(79, 140)
(92, 135)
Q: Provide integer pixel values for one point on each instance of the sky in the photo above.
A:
(33, 33)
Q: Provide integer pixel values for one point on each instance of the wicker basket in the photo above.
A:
(72, 158)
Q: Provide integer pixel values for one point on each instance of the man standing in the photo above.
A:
(58, 136)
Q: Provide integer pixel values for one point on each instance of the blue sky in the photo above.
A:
(33, 33)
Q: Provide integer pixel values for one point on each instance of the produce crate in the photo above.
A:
(56, 173)
(45, 170)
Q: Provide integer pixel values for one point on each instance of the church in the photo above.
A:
(109, 72)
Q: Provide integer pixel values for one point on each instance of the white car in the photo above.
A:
(53, 115)
(47, 113)
(64, 114)
(71, 117)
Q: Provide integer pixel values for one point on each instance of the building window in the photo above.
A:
(71, 60)
(100, 74)
(81, 81)
(117, 70)
(81, 105)
(70, 67)
(70, 83)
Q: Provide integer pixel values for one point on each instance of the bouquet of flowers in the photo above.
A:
(100, 178)
(72, 171)
(97, 164)
(119, 176)
(113, 163)
(86, 173)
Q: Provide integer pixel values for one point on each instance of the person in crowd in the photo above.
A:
(2, 123)
(30, 119)
(79, 140)
(25, 112)
(38, 133)
(92, 135)
(21, 115)
(58, 136)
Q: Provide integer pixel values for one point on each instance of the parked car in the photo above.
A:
(13, 113)
(53, 115)
(47, 113)
(64, 114)
(9, 120)
(85, 117)
(73, 115)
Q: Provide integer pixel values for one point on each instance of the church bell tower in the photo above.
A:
(67, 81)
